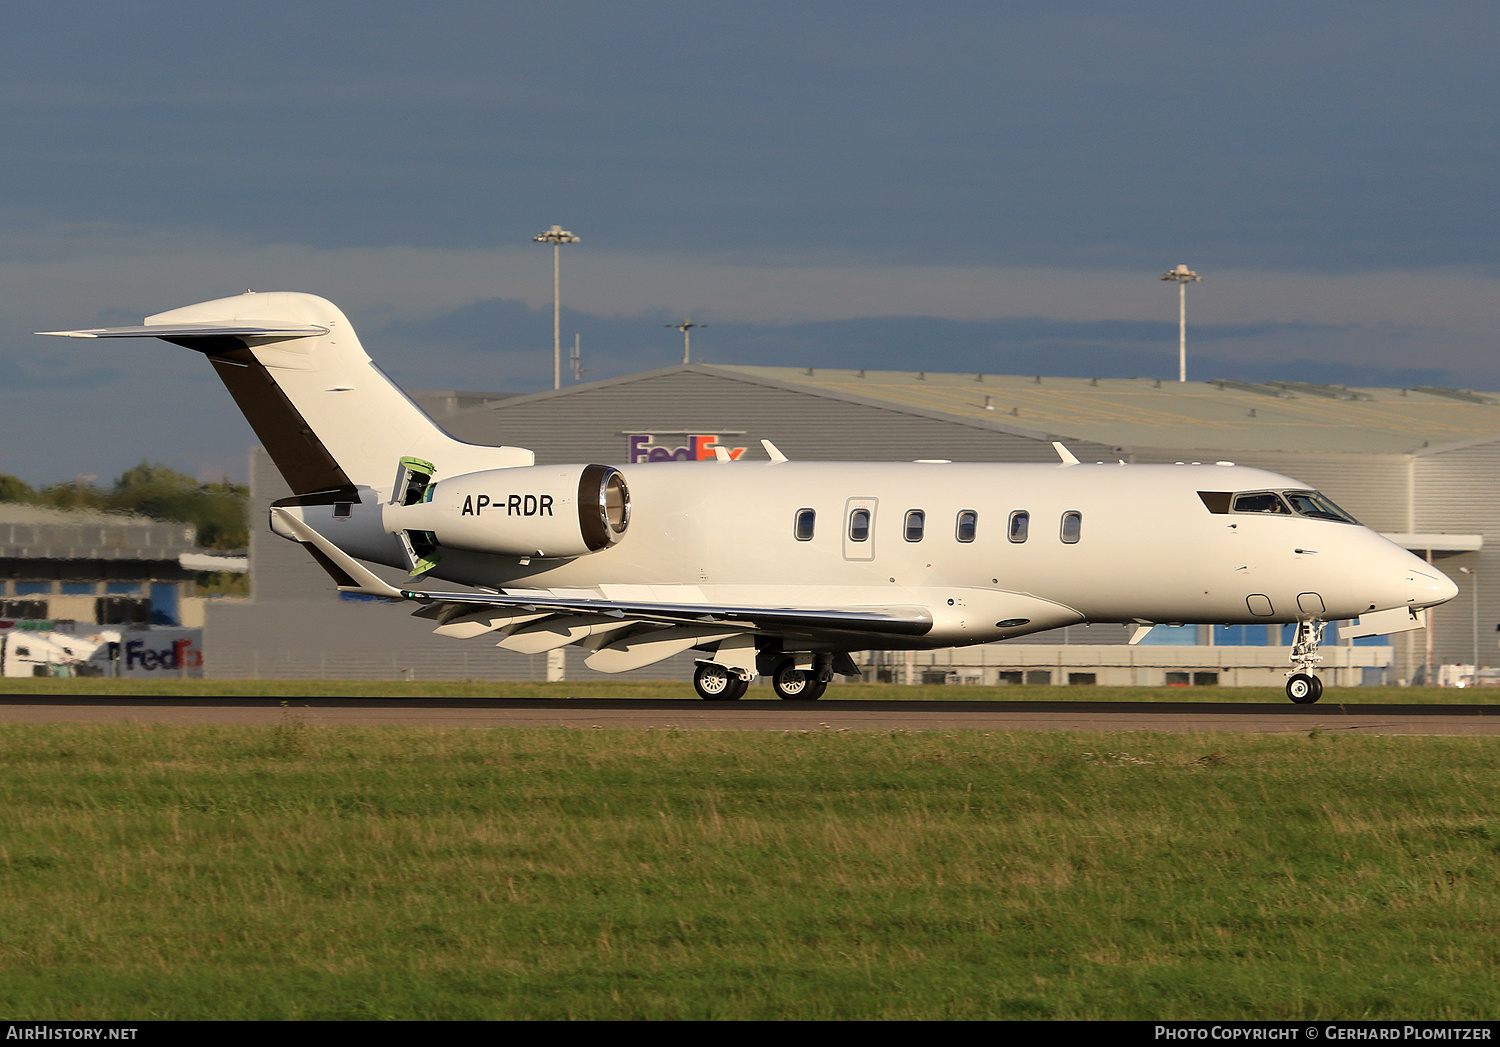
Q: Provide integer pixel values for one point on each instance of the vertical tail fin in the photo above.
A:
(330, 419)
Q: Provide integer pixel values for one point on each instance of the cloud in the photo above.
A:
(1439, 319)
(472, 319)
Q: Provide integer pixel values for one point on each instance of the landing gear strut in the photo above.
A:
(1302, 686)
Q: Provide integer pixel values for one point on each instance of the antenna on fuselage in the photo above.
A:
(773, 452)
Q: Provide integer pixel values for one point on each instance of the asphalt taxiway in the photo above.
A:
(680, 714)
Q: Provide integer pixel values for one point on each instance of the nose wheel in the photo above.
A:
(1304, 688)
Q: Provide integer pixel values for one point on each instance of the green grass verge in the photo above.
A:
(296, 871)
(597, 687)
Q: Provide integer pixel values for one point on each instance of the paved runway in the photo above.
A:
(767, 715)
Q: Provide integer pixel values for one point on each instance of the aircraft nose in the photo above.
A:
(1427, 587)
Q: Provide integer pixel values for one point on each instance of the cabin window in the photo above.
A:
(1020, 524)
(916, 519)
(804, 527)
(1072, 527)
(968, 524)
(859, 525)
(343, 510)
(1261, 502)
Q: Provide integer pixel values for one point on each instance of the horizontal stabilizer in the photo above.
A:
(249, 329)
(329, 418)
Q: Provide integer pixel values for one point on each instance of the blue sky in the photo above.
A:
(965, 186)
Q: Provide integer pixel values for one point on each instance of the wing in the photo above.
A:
(624, 634)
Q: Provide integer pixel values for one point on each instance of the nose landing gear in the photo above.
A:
(1302, 686)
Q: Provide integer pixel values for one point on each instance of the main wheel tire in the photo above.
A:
(792, 684)
(816, 690)
(1304, 688)
(714, 683)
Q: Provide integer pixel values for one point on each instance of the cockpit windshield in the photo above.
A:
(1311, 504)
(1318, 506)
(1261, 502)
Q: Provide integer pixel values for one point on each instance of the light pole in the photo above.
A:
(1184, 276)
(556, 236)
(1473, 572)
(686, 326)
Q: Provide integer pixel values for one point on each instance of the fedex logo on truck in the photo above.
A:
(695, 447)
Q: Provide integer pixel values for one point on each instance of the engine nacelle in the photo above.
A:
(538, 510)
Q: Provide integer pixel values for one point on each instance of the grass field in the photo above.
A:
(296, 871)
(595, 686)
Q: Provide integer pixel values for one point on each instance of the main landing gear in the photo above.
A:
(799, 685)
(1302, 686)
(715, 683)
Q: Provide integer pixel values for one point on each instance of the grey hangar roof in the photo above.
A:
(1099, 415)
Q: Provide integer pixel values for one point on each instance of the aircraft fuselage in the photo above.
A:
(1099, 543)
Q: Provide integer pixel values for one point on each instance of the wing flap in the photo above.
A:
(895, 620)
(557, 631)
(643, 649)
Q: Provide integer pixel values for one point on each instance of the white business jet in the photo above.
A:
(774, 567)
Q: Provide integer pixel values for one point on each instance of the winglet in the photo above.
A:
(773, 451)
(1063, 453)
(347, 573)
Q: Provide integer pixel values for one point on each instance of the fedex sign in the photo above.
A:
(695, 447)
(178, 652)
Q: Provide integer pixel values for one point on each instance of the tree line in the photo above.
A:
(217, 510)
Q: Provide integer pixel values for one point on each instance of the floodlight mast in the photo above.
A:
(1184, 276)
(556, 236)
(686, 326)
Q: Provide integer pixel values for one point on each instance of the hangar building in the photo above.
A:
(1420, 465)
(80, 568)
